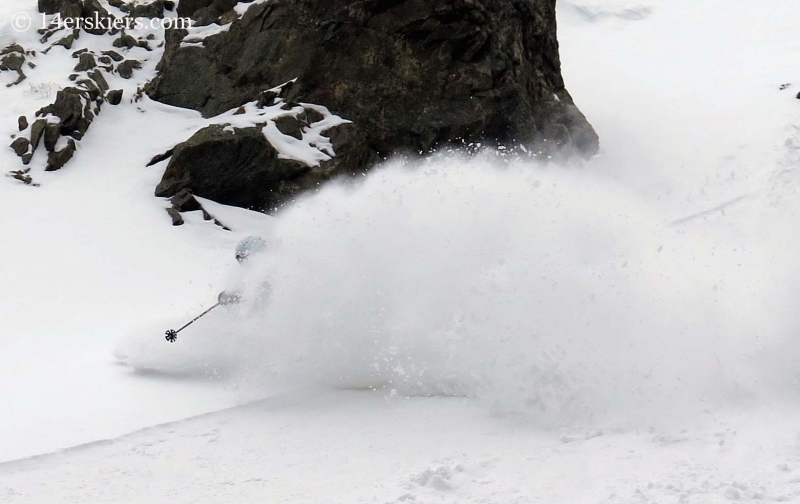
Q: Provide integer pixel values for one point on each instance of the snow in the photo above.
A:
(458, 331)
(311, 150)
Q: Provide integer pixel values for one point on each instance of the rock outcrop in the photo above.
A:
(61, 125)
(411, 75)
(259, 156)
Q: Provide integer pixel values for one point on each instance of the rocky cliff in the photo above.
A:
(410, 76)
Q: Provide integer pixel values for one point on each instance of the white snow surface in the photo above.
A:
(458, 330)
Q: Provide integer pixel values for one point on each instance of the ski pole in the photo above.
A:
(172, 335)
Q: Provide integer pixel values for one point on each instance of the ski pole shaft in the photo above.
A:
(195, 319)
(172, 335)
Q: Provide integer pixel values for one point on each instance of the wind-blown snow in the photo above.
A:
(550, 292)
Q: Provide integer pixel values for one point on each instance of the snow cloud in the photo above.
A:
(546, 292)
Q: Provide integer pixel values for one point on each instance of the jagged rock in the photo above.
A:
(22, 122)
(91, 88)
(13, 61)
(239, 168)
(86, 63)
(289, 125)
(126, 68)
(51, 134)
(161, 157)
(66, 42)
(57, 159)
(23, 177)
(114, 55)
(77, 54)
(184, 201)
(21, 146)
(72, 108)
(412, 75)
(177, 220)
(169, 5)
(97, 77)
(114, 97)
(37, 130)
(12, 48)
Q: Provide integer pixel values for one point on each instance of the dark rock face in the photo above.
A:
(151, 10)
(411, 74)
(187, 8)
(232, 168)
(205, 12)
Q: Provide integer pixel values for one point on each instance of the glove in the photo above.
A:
(227, 298)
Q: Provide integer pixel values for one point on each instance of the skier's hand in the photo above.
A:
(226, 298)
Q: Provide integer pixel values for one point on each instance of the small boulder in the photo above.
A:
(126, 68)
(114, 96)
(13, 61)
(125, 41)
(114, 55)
(21, 146)
(37, 130)
(57, 159)
(22, 123)
(51, 134)
(86, 62)
(237, 168)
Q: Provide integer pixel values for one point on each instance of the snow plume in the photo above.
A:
(547, 292)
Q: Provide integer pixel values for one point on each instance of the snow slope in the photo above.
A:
(462, 331)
